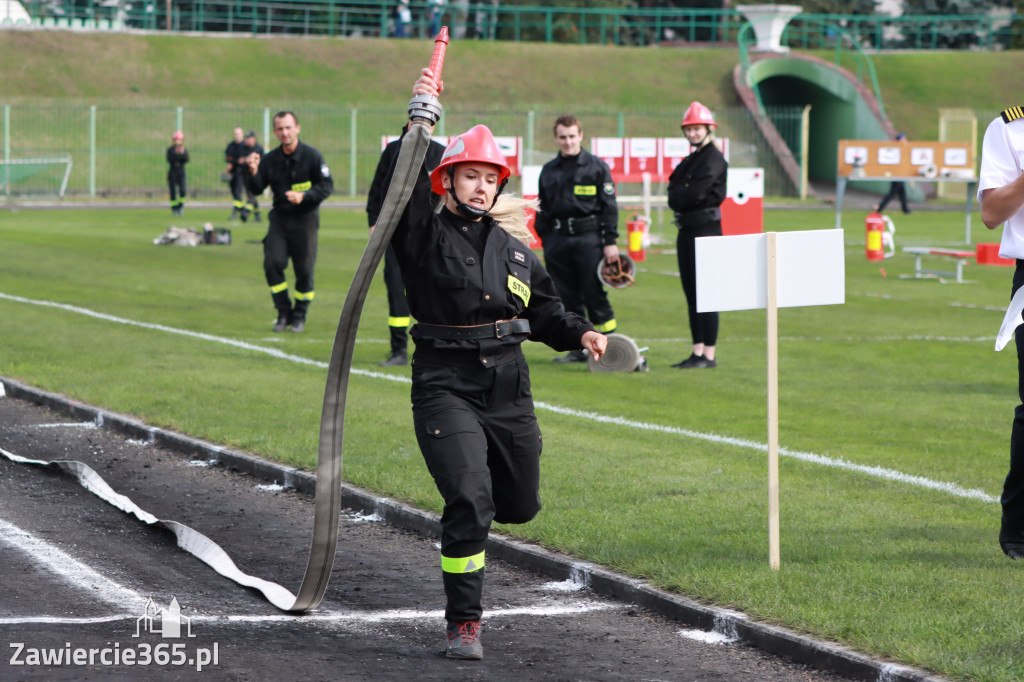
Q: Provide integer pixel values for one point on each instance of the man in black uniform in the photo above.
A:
(177, 157)
(300, 180)
(234, 156)
(578, 223)
(252, 204)
(398, 306)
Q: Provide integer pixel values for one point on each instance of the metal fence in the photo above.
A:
(491, 20)
(119, 151)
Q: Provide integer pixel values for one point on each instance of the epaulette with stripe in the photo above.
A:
(1012, 114)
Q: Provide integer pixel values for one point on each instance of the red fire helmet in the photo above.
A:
(696, 115)
(476, 144)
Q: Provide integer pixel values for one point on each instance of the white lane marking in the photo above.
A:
(813, 458)
(66, 567)
(345, 616)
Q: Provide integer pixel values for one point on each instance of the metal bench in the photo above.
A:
(960, 255)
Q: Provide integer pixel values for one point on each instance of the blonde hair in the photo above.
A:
(509, 212)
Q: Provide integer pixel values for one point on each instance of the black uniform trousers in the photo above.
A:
(572, 262)
(176, 186)
(479, 435)
(896, 190)
(291, 237)
(398, 304)
(238, 188)
(1012, 527)
(703, 326)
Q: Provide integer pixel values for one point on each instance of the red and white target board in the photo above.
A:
(743, 208)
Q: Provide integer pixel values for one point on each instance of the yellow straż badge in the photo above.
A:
(519, 288)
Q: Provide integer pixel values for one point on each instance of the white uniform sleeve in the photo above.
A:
(1000, 164)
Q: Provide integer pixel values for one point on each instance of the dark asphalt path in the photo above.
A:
(78, 574)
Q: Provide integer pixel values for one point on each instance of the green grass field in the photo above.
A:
(661, 475)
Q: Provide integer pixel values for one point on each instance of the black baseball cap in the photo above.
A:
(251, 133)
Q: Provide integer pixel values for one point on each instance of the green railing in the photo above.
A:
(496, 21)
(846, 46)
(118, 151)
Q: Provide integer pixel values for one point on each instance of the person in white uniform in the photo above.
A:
(1001, 195)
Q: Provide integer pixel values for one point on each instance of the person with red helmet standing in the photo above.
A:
(477, 292)
(177, 157)
(696, 190)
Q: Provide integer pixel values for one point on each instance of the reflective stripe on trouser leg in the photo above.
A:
(462, 564)
(279, 293)
(302, 301)
(606, 327)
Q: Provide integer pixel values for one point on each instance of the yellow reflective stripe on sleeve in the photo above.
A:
(519, 288)
(302, 186)
(585, 190)
(608, 326)
(466, 564)
(283, 286)
(399, 321)
(304, 295)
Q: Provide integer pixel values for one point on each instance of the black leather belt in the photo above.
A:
(491, 330)
(577, 225)
(698, 217)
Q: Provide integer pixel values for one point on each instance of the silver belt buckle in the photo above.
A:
(497, 329)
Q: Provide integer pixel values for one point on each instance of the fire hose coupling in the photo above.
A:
(426, 108)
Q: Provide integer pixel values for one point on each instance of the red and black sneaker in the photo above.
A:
(464, 640)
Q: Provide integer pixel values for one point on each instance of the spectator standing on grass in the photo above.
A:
(696, 190)
(896, 189)
(436, 14)
(234, 156)
(300, 180)
(477, 292)
(398, 305)
(1001, 195)
(252, 203)
(403, 18)
(177, 157)
(579, 225)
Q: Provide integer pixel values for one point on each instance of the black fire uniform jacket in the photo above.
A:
(303, 170)
(577, 188)
(696, 189)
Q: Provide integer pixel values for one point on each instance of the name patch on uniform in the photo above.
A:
(302, 186)
(518, 256)
(519, 288)
(585, 190)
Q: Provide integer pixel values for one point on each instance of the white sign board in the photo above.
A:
(732, 272)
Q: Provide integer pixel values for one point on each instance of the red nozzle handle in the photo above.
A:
(437, 59)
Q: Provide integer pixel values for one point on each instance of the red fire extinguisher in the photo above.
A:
(635, 234)
(880, 243)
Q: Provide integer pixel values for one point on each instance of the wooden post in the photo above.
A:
(773, 404)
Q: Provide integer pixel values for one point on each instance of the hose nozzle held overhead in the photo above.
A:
(424, 107)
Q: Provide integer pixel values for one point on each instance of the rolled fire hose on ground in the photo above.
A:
(424, 112)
